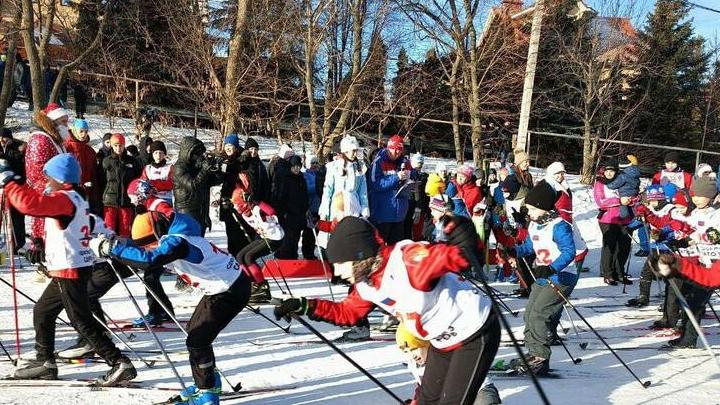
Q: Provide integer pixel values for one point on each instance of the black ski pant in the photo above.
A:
(697, 298)
(237, 234)
(455, 377)
(257, 249)
(212, 314)
(289, 247)
(151, 277)
(308, 244)
(672, 309)
(72, 296)
(617, 244)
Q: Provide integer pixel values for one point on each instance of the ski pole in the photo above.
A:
(350, 360)
(322, 262)
(562, 342)
(235, 388)
(644, 384)
(277, 265)
(583, 345)
(713, 311)
(492, 291)
(474, 263)
(13, 361)
(149, 329)
(8, 224)
(257, 311)
(31, 300)
(149, 364)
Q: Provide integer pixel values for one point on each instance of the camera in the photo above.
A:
(214, 160)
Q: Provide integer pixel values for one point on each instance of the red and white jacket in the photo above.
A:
(67, 229)
(681, 179)
(417, 282)
(161, 178)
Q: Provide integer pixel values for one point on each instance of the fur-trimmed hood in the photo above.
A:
(46, 124)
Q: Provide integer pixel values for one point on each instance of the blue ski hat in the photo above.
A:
(63, 168)
(232, 139)
(81, 124)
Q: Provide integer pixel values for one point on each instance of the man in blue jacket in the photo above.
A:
(389, 172)
(551, 240)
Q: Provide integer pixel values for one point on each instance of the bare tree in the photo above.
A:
(8, 76)
(37, 52)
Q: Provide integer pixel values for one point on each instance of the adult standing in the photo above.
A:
(315, 180)
(15, 160)
(78, 145)
(278, 169)
(256, 170)
(616, 240)
(120, 169)
(44, 143)
(419, 203)
(517, 184)
(390, 171)
(294, 208)
(193, 176)
(232, 151)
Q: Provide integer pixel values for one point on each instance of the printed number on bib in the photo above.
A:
(542, 257)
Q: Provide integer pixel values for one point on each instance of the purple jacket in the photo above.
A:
(608, 202)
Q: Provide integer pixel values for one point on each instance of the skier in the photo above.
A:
(161, 240)
(69, 261)
(420, 283)
(551, 240)
(262, 218)
(159, 172)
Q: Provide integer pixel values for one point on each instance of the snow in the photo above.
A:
(251, 350)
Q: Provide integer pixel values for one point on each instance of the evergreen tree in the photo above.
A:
(673, 65)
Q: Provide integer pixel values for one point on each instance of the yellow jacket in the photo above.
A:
(435, 185)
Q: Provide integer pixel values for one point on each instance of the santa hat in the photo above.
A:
(396, 142)
(54, 111)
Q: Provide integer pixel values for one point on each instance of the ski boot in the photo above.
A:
(609, 281)
(202, 397)
(538, 366)
(639, 302)
(390, 324)
(37, 370)
(680, 343)
(80, 350)
(121, 372)
(355, 334)
(151, 319)
(193, 390)
(661, 324)
(260, 293)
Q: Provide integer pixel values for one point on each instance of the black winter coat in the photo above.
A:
(280, 170)
(294, 202)
(192, 180)
(119, 171)
(15, 158)
(258, 177)
(144, 157)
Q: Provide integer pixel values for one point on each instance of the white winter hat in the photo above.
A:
(441, 168)
(416, 159)
(555, 168)
(285, 151)
(703, 169)
(348, 144)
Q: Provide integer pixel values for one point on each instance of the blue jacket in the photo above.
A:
(562, 235)
(627, 183)
(171, 247)
(452, 192)
(384, 183)
(311, 178)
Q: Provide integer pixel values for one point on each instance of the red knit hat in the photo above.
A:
(54, 111)
(117, 138)
(680, 198)
(396, 142)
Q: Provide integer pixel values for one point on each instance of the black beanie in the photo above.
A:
(251, 143)
(542, 196)
(158, 145)
(295, 160)
(352, 240)
(6, 133)
(610, 164)
(671, 156)
(107, 136)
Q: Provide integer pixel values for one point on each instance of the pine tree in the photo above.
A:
(673, 65)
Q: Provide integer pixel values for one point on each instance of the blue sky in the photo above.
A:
(706, 23)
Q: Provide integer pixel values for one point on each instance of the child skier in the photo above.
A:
(551, 240)
(262, 218)
(627, 183)
(69, 262)
(159, 172)
(159, 240)
(419, 283)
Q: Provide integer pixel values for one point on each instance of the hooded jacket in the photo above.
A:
(192, 182)
(86, 156)
(627, 182)
(119, 170)
(43, 144)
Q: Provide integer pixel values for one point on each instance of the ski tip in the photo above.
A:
(646, 384)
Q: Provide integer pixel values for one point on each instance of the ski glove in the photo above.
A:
(667, 265)
(544, 271)
(291, 306)
(461, 232)
(102, 245)
(6, 177)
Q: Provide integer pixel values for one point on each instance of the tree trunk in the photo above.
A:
(8, 76)
(27, 30)
(588, 154)
(529, 84)
(235, 50)
(474, 101)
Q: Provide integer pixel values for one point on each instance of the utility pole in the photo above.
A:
(521, 140)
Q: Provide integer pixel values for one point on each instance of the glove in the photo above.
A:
(461, 232)
(291, 306)
(102, 246)
(543, 271)
(713, 235)
(641, 211)
(416, 215)
(6, 177)
(226, 204)
(667, 265)
(520, 217)
(508, 229)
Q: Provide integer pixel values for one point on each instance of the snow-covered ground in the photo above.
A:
(251, 350)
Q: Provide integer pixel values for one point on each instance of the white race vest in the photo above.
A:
(701, 220)
(217, 271)
(69, 248)
(160, 173)
(447, 315)
(268, 229)
(676, 178)
(546, 250)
